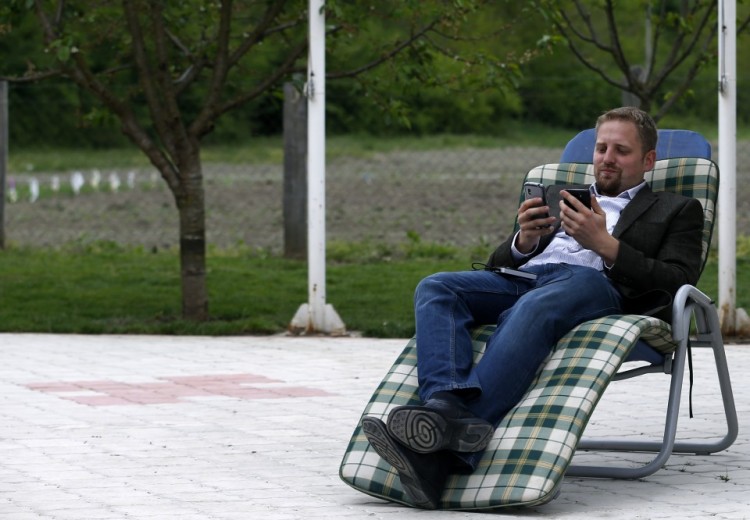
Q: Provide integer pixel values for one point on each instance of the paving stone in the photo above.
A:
(111, 427)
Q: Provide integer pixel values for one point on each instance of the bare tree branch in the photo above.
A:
(615, 45)
(31, 78)
(385, 57)
(145, 74)
(678, 57)
(743, 26)
(168, 113)
(282, 70)
(678, 93)
(592, 38)
(48, 28)
(591, 66)
(59, 12)
(192, 71)
(261, 31)
(221, 61)
(655, 40)
(221, 64)
(586, 17)
(683, 48)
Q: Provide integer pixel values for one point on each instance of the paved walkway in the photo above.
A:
(144, 427)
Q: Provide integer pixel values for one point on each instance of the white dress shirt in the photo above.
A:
(564, 249)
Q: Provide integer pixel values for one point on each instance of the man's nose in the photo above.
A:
(608, 156)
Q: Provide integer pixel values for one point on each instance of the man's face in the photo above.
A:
(619, 160)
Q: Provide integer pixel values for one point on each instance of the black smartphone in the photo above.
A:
(582, 194)
(535, 189)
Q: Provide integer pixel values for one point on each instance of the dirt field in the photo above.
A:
(462, 197)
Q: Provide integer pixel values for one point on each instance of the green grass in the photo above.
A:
(30, 160)
(103, 288)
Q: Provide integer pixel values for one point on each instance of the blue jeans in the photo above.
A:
(531, 317)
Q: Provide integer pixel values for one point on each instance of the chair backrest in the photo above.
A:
(692, 177)
(671, 144)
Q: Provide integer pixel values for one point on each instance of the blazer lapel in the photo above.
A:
(643, 200)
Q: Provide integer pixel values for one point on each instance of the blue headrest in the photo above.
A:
(671, 144)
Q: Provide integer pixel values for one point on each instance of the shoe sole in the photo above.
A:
(425, 431)
(377, 434)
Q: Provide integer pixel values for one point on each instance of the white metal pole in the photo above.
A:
(316, 139)
(727, 209)
(317, 315)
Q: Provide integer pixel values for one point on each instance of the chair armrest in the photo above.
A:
(686, 300)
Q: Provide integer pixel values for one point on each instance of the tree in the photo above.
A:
(679, 38)
(169, 69)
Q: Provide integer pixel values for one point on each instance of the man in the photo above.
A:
(629, 253)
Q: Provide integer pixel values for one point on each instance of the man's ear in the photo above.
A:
(649, 160)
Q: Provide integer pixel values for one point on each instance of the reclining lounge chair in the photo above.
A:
(533, 446)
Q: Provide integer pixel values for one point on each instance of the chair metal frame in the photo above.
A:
(689, 302)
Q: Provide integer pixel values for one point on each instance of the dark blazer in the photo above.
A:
(661, 245)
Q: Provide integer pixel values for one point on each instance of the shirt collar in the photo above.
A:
(627, 194)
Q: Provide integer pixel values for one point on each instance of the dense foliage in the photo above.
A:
(421, 91)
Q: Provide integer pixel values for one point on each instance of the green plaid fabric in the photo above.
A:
(692, 177)
(534, 444)
(532, 447)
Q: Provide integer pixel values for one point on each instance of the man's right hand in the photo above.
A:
(534, 224)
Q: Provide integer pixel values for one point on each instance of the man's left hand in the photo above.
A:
(588, 227)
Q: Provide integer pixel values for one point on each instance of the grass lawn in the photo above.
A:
(103, 288)
(108, 289)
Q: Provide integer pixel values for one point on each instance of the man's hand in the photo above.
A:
(534, 224)
(588, 227)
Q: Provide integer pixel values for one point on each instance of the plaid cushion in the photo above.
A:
(534, 444)
(692, 177)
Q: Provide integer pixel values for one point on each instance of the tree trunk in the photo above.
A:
(191, 207)
(295, 173)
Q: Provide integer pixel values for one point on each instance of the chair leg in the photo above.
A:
(709, 335)
(663, 449)
(708, 321)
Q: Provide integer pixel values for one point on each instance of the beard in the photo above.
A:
(609, 184)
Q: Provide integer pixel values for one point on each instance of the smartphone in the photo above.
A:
(582, 194)
(534, 189)
(515, 272)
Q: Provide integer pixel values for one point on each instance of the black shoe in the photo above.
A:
(423, 477)
(439, 424)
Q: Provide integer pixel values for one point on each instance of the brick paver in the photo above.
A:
(144, 427)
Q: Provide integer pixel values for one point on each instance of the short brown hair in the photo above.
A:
(643, 122)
